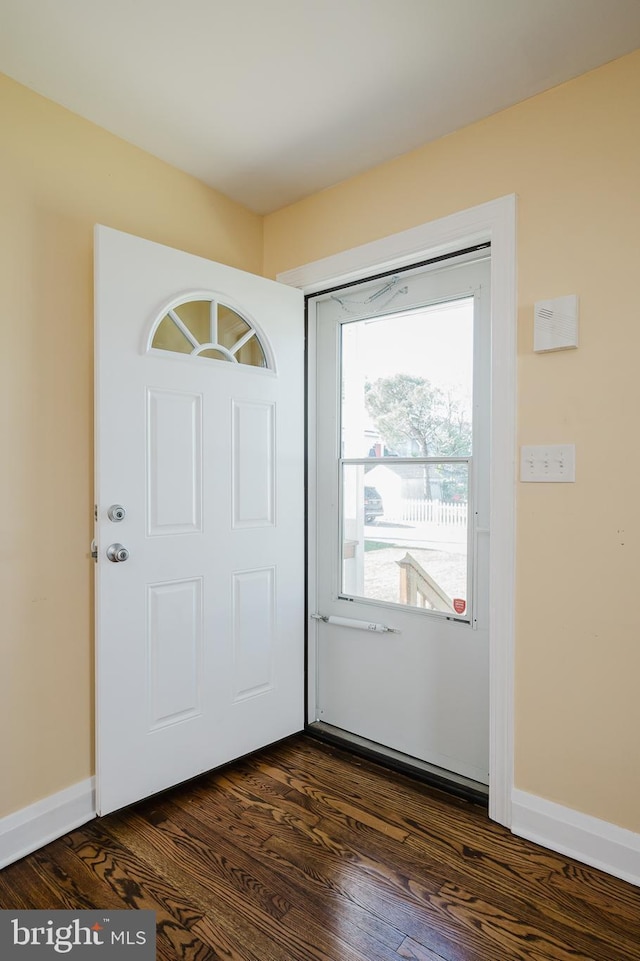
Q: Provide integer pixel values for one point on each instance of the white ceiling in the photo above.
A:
(271, 100)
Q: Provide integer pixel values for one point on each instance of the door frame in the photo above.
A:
(494, 221)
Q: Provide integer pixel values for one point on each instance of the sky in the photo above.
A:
(433, 342)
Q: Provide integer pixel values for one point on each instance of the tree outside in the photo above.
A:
(414, 416)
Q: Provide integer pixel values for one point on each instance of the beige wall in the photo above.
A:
(572, 156)
(58, 176)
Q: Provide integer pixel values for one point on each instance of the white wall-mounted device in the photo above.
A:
(555, 323)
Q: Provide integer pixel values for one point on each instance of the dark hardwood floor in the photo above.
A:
(304, 853)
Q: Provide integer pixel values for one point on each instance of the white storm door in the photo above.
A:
(402, 374)
(199, 438)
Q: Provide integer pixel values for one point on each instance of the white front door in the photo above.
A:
(402, 375)
(199, 441)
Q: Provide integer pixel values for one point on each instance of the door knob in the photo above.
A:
(116, 513)
(117, 553)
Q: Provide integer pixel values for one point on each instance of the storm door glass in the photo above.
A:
(406, 457)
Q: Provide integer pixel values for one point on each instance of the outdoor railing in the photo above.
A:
(419, 589)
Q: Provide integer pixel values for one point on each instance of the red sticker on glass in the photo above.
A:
(459, 605)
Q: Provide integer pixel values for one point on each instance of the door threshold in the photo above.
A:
(438, 777)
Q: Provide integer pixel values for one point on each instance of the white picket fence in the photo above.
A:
(418, 510)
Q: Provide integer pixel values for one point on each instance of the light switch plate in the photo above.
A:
(548, 463)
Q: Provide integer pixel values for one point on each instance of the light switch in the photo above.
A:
(548, 463)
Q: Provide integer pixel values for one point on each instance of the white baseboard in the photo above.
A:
(34, 826)
(588, 839)
(580, 836)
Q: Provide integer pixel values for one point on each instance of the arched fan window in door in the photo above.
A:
(204, 326)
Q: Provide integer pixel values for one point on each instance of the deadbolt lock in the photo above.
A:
(116, 513)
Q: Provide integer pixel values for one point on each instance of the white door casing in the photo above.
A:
(199, 634)
(494, 221)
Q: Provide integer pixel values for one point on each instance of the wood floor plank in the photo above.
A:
(571, 927)
(339, 927)
(230, 893)
(493, 853)
(380, 893)
(351, 812)
(316, 902)
(425, 869)
(226, 809)
(58, 868)
(225, 948)
(302, 852)
(413, 950)
(267, 933)
(510, 936)
(25, 889)
(576, 883)
(403, 801)
(199, 853)
(141, 887)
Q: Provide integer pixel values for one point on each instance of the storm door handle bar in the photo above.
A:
(358, 625)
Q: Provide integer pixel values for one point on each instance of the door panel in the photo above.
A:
(199, 436)
(403, 534)
(253, 461)
(381, 687)
(174, 462)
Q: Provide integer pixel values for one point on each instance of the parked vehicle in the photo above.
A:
(373, 507)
